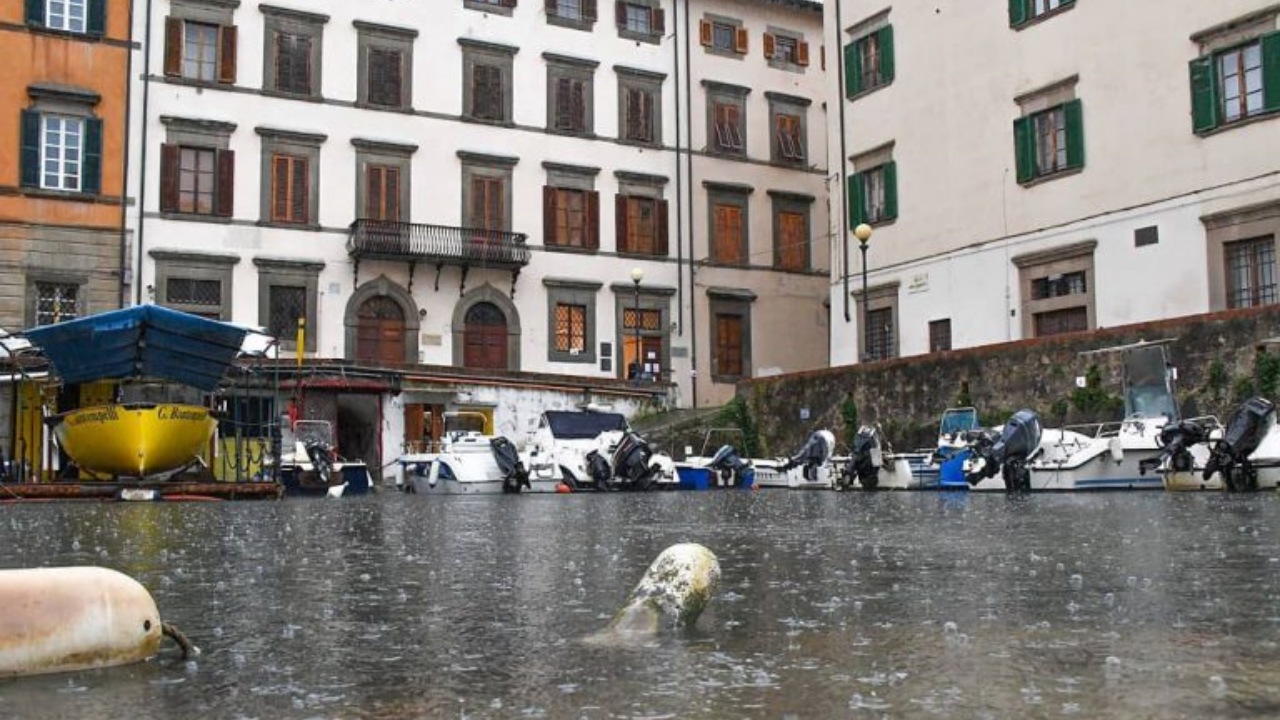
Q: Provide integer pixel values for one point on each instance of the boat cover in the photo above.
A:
(143, 341)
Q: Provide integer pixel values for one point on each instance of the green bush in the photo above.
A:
(736, 414)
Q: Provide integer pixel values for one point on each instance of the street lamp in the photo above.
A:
(863, 233)
(637, 274)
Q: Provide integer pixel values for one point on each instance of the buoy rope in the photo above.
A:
(188, 649)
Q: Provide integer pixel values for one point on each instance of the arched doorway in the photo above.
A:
(380, 331)
(485, 337)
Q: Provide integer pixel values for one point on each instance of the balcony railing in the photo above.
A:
(437, 244)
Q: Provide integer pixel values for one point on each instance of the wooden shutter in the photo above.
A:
(770, 45)
(551, 7)
(1024, 146)
(227, 55)
(741, 41)
(91, 169)
(578, 105)
(1017, 12)
(1073, 116)
(634, 98)
(661, 229)
(1204, 95)
(391, 192)
(225, 183)
(30, 149)
(172, 46)
(886, 54)
(792, 241)
(658, 21)
(592, 229)
(589, 9)
(620, 14)
(564, 104)
(35, 12)
(890, 179)
(802, 53)
(853, 192)
(96, 18)
(170, 177)
(704, 32)
(1271, 71)
(279, 188)
(300, 188)
(622, 240)
(550, 221)
(415, 426)
(852, 70)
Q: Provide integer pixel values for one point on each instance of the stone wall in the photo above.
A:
(1216, 356)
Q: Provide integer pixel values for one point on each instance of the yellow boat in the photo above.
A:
(134, 440)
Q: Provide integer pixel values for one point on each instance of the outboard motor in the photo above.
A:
(816, 450)
(1175, 440)
(1248, 425)
(514, 473)
(320, 453)
(600, 471)
(1008, 453)
(864, 461)
(631, 462)
(730, 468)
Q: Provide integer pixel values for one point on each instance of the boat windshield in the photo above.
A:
(464, 422)
(306, 431)
(958, 420)
(1148, 391)
(570, 425)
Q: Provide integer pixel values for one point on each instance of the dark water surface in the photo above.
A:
(898, 605)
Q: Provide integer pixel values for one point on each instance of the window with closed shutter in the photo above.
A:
(639, 111)
(290, 189)
(570, 103)
(486, 92)
(385, 77)
(487, 203)
(729, 350)
(728, 242)
(793, 241)
(382, 193)
(293, 63)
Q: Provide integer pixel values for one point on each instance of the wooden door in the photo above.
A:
(485, 338)
(380, 331)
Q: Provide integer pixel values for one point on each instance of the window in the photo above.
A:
(572, 218)
(487, 90)
(642, 225)
(789, 136)
(293, 51)
(501, 7)
(1022, 12)
(291, 176)
(486, 191)
(571, 306)
(639, 114)
(728, 126)
(786, 50)
(728, 351)
(791, 230)
(728, 213)
(868, 62)
(1049, 141)
(1236, 83)
(570, 94)
(56, 302)
(196, 184)
(571, 328)
(196, 283)
(878, 321)
(200, 42)
(197, 171)
(1057, 288)
(939, 335)
(787, 115)
(1251, 272)
(385, 65)
(640, 105)
(486, 203)
(61, 158)
(87, 17)
(873, 194)
(289, 191)
(879, 335)
(577, 14)
(382, 191)
(384, 79)
(726, 117)
(642, 323)
(195, 296)
(288, 305)
(287, 291)
(642, 20)
(723, 36)
(570, 105)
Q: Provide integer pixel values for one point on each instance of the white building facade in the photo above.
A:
(1045, 166)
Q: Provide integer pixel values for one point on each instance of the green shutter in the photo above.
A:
(91, 178)
(35, 12)
(853, 187)
(1064, 3)
(1204, 95)
(96, 20)
(1017, 12)
(852, 70)
(1073, 115)
(1271, 71)
(1024, 146)
(886, 54)
(890, 190)
(30, 150)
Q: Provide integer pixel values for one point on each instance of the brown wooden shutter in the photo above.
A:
(549, 196)
(391, 192)
(172, 46)
(373, 192)
(662, 227)
(279, 188)
(622, 240)
(768, 46)
(415, 428)
(564, 100)
(742, 41)
(225, 184)
(227, 57)
(620, 14)
(592, 231)
(704, 32)
(579, 105)
(170, 170)
(802, 54)
(301, 206)
(589, 9)
(658, 21)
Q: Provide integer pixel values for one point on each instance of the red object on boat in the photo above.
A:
(563, 488)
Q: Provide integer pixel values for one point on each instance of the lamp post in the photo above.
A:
(637, 274)
(863, 233)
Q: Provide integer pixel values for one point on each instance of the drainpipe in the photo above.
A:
(124, 173)
(142, 159)
(675, 51)
(693, 293)
(844, 154)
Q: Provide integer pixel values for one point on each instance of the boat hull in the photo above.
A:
(140, 440)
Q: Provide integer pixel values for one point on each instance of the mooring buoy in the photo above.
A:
(674, 591)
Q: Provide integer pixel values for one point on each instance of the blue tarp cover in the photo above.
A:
(144, 341)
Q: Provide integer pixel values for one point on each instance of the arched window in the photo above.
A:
(380, 331)
(485, 337)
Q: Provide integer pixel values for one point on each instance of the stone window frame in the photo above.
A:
(568, 291)
(195, 266)
(725, 93)
(1250, 222)
(940, 330)
(586, 22)
(295, 22)
(289, 142)
(490, 294)
(652, 297)
(381, 286)
(478, 52)
(730, 301)
(737, 195)
(644, 185)
(561, 67)
(799, 203)
(711, 20)
(645, 81)
(654, 36)
(220, 13)
(378, 152)
(69, 101)
(284, 272)
(879, 297)
(562, 176)
(859, 34)
(1040, 264)
(371, 35)
(1060, 95)
(784, 104)
(204, 135)
(506, 8)
(34, 276)
(787, 65)
(483, 165)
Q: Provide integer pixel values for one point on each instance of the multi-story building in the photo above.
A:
(1047, 166)
(571, 191)
(64, 90)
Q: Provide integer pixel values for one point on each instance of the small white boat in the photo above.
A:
(873, 464)
(469, 462)
(810, 468)
(1201, 454)
(595, 449)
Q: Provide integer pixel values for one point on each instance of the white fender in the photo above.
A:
(673, 592)
(73, 618)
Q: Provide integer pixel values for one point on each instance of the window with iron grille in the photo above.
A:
(293, 63)
(571, 328)
(1059, 285)
(56, 302)
(1251, 272)
(939, 335)
(193, 292)
(288, 304)
(879, 334)
(650, 320)
(1057, 322)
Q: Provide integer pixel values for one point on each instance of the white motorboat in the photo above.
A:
(725, 468)
(469, 462)
(314, 467)
(1201, 454)
(873, 464)
(595, 449)
(810, 468)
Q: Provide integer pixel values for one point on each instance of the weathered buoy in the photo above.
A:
(563, 488)
(73, 618)
(672, 594)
